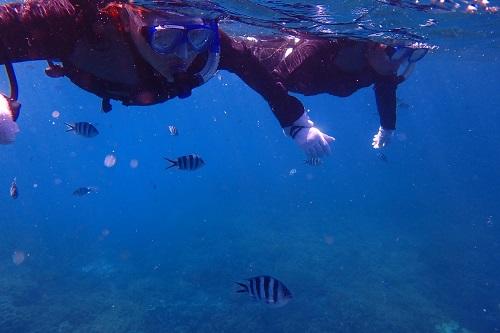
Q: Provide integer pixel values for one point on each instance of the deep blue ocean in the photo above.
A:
(410, 244)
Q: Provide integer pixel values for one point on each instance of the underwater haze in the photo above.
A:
(409, 243)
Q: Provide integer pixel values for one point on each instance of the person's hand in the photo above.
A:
(311, 140)
(8, 127)
(382, 138)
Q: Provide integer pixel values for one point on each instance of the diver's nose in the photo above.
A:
(181, 51)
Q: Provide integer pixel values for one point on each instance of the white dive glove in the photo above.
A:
(310, 139)
(382, 138)
(8, 127)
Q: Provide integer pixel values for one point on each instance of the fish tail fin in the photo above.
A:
(70, 127)
(174, 163)
(243, 286)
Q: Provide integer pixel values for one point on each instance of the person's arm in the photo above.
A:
(36, 30)
(289, 111)
(238, 59)
(385, 95)
(42, 29)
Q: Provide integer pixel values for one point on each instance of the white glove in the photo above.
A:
(8, 127)
(310, 139)
(382, 138)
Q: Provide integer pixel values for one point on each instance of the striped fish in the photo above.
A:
(83, 128)
(187, 162)
(314, 161)
(173, 130)
(81, 191)
(266, 289)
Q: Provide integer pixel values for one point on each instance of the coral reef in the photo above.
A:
(451, 327)
(12, 319)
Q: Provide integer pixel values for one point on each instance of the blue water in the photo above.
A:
(407, 245)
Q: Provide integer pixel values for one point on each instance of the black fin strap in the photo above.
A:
(294, 130)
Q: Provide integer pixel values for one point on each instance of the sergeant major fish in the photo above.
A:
(313, 161)
(81, 191)
(14, 192)
(266, 289)
(187, 162)
(83, 128)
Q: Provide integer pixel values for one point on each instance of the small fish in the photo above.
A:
(403, 105)
(83, 128)
(173, 130)
(266, 289)
(187, 162)
(81, 191)
(382, 157)
(14, 192)
(313, 161)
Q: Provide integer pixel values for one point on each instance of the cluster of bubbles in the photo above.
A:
(110, 160)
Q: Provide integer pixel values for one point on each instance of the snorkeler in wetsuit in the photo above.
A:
(120, 51)
(303, 64)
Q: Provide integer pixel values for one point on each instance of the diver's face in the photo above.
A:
(177, 59)
(380, 61)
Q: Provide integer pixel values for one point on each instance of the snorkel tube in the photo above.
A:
(408, 56)
(402, 55)
(212, 64)
(186, 82)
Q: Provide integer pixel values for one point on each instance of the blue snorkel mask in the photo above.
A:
(164, 38)
(165, 35)
(406, 55)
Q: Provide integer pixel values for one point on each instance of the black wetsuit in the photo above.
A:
(98, 56)
(308, 66)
